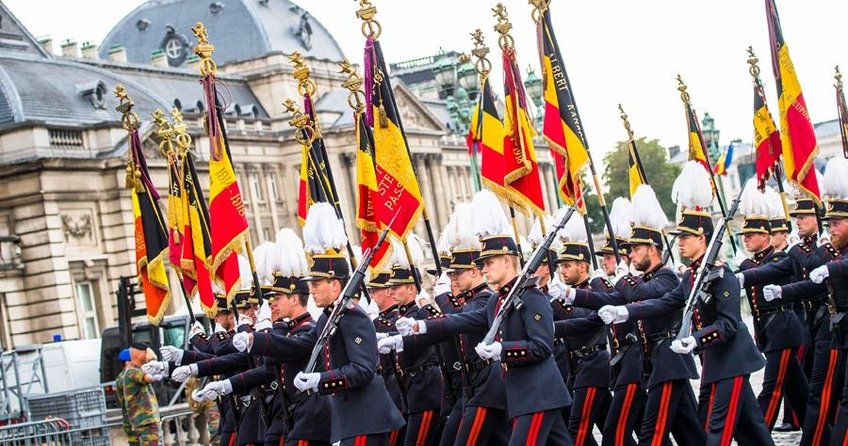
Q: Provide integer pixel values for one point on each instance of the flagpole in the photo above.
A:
(634, 152)
(372, 29)
(717, 188)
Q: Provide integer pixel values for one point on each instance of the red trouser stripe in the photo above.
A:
(393, 437)
(662, 414)
(232, 441)
(361, 440)
(709, 407)
(479, 418)
(625, 414)
(824, 405)
(424, 427)
(585, 427)
(535, 424)
(730, 420)
(771, 411)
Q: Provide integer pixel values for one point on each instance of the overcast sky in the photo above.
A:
(625, 52)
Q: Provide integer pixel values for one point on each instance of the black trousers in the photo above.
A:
(783, 376)
(422, 428)
(733, 413)
(451, 423)
(840, 427)
(589, 408)
(825, 392)
(366, 440)
(805, 358)
(625, 414)
(671, 407)
(482, 426)
(296, 442)
(540, 428)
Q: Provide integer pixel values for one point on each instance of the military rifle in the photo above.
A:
(526, 278)
(708, 271)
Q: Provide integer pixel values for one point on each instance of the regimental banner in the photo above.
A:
(314, 179)
(196, 243)
(367, 193)
(487, 133)
(766, 139)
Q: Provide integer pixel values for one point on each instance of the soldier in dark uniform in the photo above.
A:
(777, 329)
(802, 258)
(727, 351)
(535, 391)
(384, 324)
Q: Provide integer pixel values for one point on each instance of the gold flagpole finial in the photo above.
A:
(682, 88)
(539, 9)
(165, 132)
(366, 13)
(754, 69)
(301, 73)
(480, 51)
(180, 135)
(129, 119)
(356, 98)
(204, 50)
(627, 127)
(838, 76)
(305, 134)
(503, 26)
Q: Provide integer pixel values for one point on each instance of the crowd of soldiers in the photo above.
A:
(584, 349)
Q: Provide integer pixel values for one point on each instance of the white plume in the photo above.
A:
(289, 249)
(489, 218)
(753, 203)
(399, 256)
(620, 217)
(443, 245)
(322, 230)
(774, 203)
(646, 209)
(464, 236)
(836, 178)
(536, 235)
(692, 187)
(574, 230)
(245, 273)
(263, 257)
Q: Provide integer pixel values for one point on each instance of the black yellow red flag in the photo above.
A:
(367, 193)
(196, 239)
(487, 133)
(766, 138)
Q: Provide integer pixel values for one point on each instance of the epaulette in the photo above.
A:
(432, 311)
(454, 301)
(805, 248)
(606, 282)
(628, 279)
(831, 250)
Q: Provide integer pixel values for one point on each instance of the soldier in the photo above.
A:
(777, 329)
(362, 411)
(137, 398)
(589, 377)
(535, 391)
(300, 419)
(420, 376)
(728, 353)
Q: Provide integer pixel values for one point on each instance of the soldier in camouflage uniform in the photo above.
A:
(138, 400)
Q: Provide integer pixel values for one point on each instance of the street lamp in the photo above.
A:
(533, 87)
(711, 135)
(456, 78)
(445, 75)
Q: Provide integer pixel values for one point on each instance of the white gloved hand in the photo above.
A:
(183, 372)
(245, 320)
(385, 346)
(217, 388)
(264, 324)
(423, 299)
(264, 312)
(198, 396)
(307, 381)
(158, 370)
(622, 269)
(170, 353)
(772, 292)
(406, 326)
(611, 314)
(243, 341)
(196, 329)
(491, 351)
(741, 278)
(599, 274)
(555, 289)
(683, 346)
(819, 274)
(219, 328)
(381, 335)
(442, 285)
(739, 258)
(823, 240)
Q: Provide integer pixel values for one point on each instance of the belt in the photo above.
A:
(559, 341)
(246, 400)
(384, 371)
(297, 397)
(618, 344)
(476, 366)
(586, 350)
(412, 371)
(760, 313)
(661, 336)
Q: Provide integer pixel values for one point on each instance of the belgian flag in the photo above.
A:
(196, 239)
(635, 170)
(766, 138)
(398, 192)
(151, 240)
(366, 191)
(799, 139)
(562, 127)
(314, 180)
(697, 146)
(487, 134)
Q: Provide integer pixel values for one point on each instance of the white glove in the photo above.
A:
(183, 372)
(196, 329)
(739, 258)
(622, 269)
(243, 341)
(423, 299)
(219, 328)
(158, 370)
(491, 351)
(217, 388)
(741, 278)
(171, 354)
(198, 395)
(385, 346)
(599, 274)
(555, 289)
(819, 274)
(405, 326)
(264, 312)
(264, 324)
(245, 320)
(683, 346)
(613, 314)
(307, 381)
(772, 292)
(442, 285)
(381, 335)
(823, 240)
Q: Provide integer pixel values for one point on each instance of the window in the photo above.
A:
(87, 310)
(257, 187)
(266, 234)
(272, 178)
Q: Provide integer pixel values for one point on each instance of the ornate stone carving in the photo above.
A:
(77, 225)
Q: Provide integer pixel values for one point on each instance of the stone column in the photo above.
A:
(272, 200)
(349, 181)
(450, 177)
(427, 189)
(290, 184)
(250, 170)
(435, 170)
(447, 195)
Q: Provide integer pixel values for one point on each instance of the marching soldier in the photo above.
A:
(534, 389)
(777, 329)
(137, 398)
(728, 353)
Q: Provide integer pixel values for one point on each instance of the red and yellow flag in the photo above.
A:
(562, 128)
(196, 240)
(397, 187)
(521, 170)
(228, 222)
(697, 146)
(798, 137)
(314, 179)
(366, 191)
(487, 132)
(766, 138)
(151, 241)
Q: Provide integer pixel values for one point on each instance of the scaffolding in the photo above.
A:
(22, 373)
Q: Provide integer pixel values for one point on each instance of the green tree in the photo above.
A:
(660, 174)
